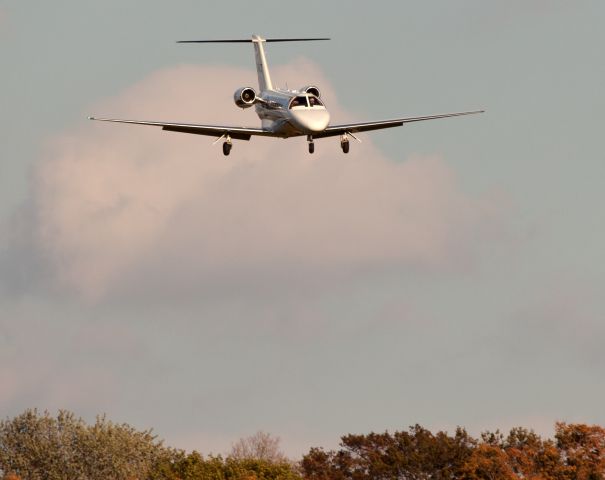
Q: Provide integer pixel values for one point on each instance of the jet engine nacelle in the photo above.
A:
(245, 97)
(312, 89)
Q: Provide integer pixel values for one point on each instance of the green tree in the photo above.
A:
(42, 447)
(193, 466)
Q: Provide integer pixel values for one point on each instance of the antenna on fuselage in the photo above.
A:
(262, 69)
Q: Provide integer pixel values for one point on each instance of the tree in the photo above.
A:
(260, 446)
(193, 466)
(533, 458)
(11, 476)
(413, 455)
(582, 448)
(42, 447)
(321, 465)
(488, 462)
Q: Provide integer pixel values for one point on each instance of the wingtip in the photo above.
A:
(91, 118)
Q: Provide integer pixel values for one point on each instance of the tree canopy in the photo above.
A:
(40, 446)
(576, 453)
(37, 446)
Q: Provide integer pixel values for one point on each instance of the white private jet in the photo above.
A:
(284, 113)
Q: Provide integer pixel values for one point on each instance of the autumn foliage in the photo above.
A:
(37, 446)
(577, 452)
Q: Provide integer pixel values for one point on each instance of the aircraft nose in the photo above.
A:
(312, 119)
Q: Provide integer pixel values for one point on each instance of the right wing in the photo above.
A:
(238, 133)
(396, 122)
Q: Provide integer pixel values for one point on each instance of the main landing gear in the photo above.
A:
(344, 141)
(344, 144)
(227, 145)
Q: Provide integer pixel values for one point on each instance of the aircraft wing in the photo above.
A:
(238, 133)
(333, 130)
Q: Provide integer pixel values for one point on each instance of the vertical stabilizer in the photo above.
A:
(264, 78)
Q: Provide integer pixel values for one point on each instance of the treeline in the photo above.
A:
(36, 446)
(577, 452)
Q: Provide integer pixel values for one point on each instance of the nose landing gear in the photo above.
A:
(311, 144)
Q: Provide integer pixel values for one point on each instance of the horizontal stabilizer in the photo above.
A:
(249, 40)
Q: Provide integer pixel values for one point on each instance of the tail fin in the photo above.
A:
(264, 78)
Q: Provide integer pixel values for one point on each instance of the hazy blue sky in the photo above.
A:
(446, 273)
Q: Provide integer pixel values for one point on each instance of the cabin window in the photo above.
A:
(299, 102)
(315, 102)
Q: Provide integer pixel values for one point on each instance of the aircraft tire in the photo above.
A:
(345, 146)
(226, 148)
(311, 147)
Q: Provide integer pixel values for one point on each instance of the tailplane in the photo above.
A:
(262, 69)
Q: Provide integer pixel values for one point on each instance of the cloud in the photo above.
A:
(119, 204)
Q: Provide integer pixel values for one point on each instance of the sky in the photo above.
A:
(444, 273)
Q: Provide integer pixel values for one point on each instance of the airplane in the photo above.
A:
(283, 113)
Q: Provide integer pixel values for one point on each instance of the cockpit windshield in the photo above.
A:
(315, 102)
(306, 101)
(300, 101)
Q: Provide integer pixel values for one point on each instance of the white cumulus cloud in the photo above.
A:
(119, 203)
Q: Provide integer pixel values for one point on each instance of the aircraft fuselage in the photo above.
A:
(289, 113)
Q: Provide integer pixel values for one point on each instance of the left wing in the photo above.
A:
(396, 122)
(238, 133)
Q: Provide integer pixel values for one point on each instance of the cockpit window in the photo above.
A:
(299, 102)
(315, 102)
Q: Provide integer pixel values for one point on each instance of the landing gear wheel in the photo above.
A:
(345, 146)
(311, 147)
(227, 148)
